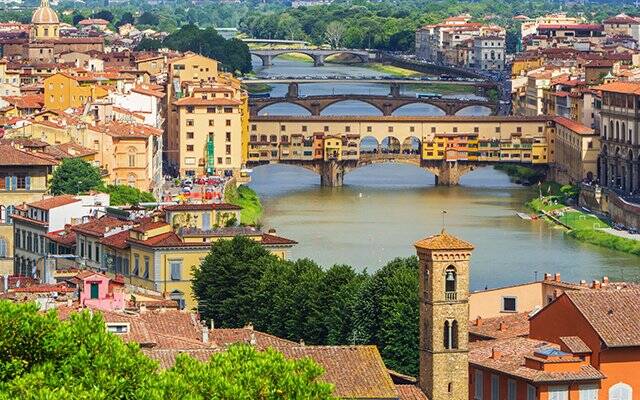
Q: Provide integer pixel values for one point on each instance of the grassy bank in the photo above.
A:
(392, 70)
(583, 226)
(246, 198)
(258, 88)
(604, 239)
(441, 88)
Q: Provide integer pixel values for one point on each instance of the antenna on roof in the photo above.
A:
(444, 212)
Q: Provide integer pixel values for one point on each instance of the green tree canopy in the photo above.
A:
(103, 14)
(75, 175)
(42, 358)
(127, 195)
(240, 282)
(126, 18)
(148, 18)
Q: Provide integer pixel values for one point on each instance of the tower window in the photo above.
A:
(450, 335)
(450, 280)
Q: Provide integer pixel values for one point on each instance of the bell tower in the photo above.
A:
(444, 315)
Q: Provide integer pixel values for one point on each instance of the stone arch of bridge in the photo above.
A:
(256, 108)
(364, 99)
(361, 57)
(471, 110)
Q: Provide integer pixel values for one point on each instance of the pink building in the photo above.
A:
(100, 292)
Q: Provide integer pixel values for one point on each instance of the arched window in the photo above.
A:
(132, 156)
(450, 279)
(131, 179)
(454, 335)
(447, 335)
(620, 391)
(450, 387)
(3, 247)
(178, 296)
(617, 130)
(624, 131)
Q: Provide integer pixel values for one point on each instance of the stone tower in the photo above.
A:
(444, 315)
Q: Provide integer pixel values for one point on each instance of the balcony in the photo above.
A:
(451, 296)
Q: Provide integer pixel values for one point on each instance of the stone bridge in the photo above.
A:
(386, 104)
(318, 55)
(332, 172)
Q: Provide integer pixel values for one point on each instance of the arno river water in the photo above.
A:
(383, 209)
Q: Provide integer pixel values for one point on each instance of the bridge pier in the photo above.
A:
(331, 173)
(318, 60)
(293, 90)
(394, 90)
(267, 60)
(448, 173)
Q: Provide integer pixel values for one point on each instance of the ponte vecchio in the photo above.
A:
(448, 147)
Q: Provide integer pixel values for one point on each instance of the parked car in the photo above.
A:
(633, 231)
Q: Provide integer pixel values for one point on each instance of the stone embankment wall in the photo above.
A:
(607, 202)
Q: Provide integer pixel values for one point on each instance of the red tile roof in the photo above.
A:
(575, 345)
(118, 240)
(574, 126)
(410, 392)
(224, 337)
(65, 237)
(273, 240)
(44, 288)
(100, 226)
(54, 202)
(511, 360)
(147, 91)
(12, 156)
(443, 241)
(620, 87)
(506, 326)
(613, 314)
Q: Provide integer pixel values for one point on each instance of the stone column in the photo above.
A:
(448, 174)
(266, 61)
(331, 173)
(394, 90)
(318, 61)
(293, 90)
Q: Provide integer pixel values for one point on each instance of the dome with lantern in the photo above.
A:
(44, 14)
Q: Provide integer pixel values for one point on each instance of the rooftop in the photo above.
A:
(506, 326)
(443, 241)
(54, 202)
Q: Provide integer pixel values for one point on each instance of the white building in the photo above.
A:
(33, 221)
(144, 101)
(489, 53)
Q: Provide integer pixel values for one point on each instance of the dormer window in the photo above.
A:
(118, 327)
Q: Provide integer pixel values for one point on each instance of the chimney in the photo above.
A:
(605, 280)
(249, 326)
(583, 283)
(547, 277)
(143, 308)
(495, 354)
(301, 342)
(253, 340)
(556, 277)
(205, 333)
(479, 321)
(503, 327)
(595, 284)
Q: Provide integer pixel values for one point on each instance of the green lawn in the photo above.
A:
(607, 240)
(246, 198)
(580, 221)
(544, 204)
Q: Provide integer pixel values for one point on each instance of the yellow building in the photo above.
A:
(45, 24)
(576, 152)
(6, 245)
(9, 80)
(62, 91)
(523, 64)
(333, 148)
(163, 256)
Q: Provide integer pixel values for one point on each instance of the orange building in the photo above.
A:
(585, 345)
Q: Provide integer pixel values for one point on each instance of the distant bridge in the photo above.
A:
(300, 81)
(318, 55)
(385, 104)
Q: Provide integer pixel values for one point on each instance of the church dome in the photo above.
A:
(44, 14)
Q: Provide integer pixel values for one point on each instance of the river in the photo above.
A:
(383, 209)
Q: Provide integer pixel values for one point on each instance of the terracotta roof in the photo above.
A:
(613, 314)
(512, 360)
(202, 207)
(69, 150)
(225, 337)
(510, 325)
(574, 126)
(166, 358)
(169, 239)
(194, 101)
(575, 345)
(44, 288)
(124, 130)
(147, 91)
(621, 19)
(93, 21)
(65, 237)
(273, 240)
(410, 392)
(443, 241)
(100, 226)
(12, 156)
(118, 240)
(149, 225)
(55, 201)
(356, 372)
(620, 87)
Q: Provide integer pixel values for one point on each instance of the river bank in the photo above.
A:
(249, 200)
(578, 224)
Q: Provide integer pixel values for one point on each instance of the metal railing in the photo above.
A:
(451, 296)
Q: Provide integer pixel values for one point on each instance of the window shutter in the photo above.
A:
(14, 182)
(27, 182)
(7, 182)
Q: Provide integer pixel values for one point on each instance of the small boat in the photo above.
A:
(523, 216)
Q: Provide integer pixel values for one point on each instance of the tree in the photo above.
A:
(75, 175)
(244, 373)
(128, 195)
(103, 14)
(126, 18)
(148, 18)
(226, 282)
(77, 17)
(149, 44)
(42, 357)
(334, 33)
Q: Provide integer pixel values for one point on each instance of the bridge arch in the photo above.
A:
(361, 57)
(327, 105)
(369, 145)
(474, 110)
(278, 108)
(411, 145)
(418, 108)
(307, 55)
(390, 145)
